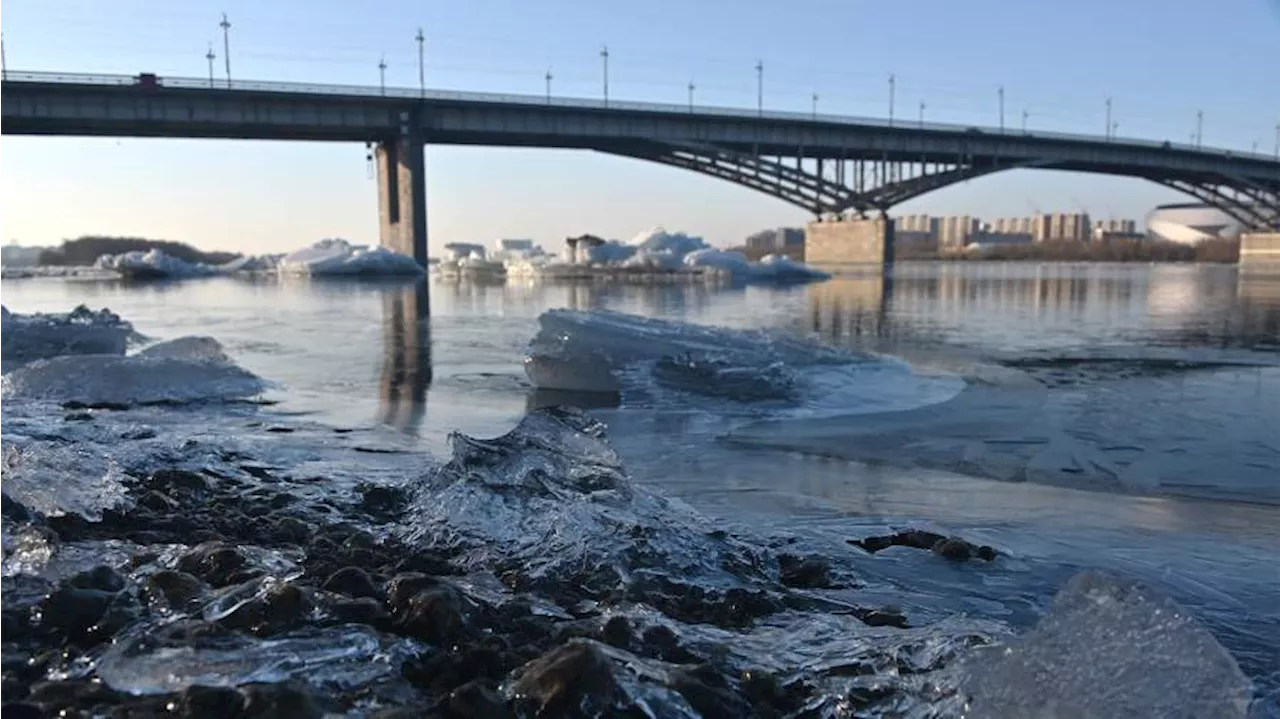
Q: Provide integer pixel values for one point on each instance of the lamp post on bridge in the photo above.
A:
(892, 82)
(1115, 125)
(604, 57)
(691, 89)
(1000, 92)
(1025, 115)
(760, 88)
(422, 63)
(382, 75)
(1107, 129)
(815, 106)
(210, 57)
(1199, 129)
(226, 46)
(922, 114)
(548, 78)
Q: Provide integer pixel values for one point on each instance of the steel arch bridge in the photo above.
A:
(825, 164)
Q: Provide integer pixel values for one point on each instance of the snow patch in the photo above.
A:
(337, 257)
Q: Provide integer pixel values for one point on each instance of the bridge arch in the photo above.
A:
(824, 186)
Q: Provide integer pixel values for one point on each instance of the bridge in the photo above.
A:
(841, 169)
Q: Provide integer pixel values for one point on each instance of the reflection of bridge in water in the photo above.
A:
(406, 368)
(995, 304)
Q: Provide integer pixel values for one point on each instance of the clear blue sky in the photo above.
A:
(1161, 60)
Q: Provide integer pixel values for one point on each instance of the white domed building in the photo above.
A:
(1190, 223)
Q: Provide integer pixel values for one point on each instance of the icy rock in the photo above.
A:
(154, 264)
(344, 657)
(190, 347)
(337, 257)
(586, 678)
(57, 479)
(582, 351)
(551, 502)
(1109, 646)
(81, 331)
(182, 371)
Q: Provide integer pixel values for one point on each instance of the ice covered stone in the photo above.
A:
(1108, 647)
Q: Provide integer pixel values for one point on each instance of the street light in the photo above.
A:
(815, 105)
(382, 74)
(1115, 125)
(1107, 129)
(760, 87)
(892, 82)
(1025, 115)
(210, 57)
(1000, 92)
(1199, 129)
(422, 63)
(226, 45)
(604, 57)
(921, 114)
(691, 89)
(548, 86)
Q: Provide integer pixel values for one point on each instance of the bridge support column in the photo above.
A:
(402, 194)
(1260, 250)
(849, 243)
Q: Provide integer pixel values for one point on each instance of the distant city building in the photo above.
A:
(777, 238)
(14, 255)
(1190, 223)
(461, 250)
(515, 245)
(1115, 226)
(954, 231)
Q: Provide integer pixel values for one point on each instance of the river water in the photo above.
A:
(1142, 436)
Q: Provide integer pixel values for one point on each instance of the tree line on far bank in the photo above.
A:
(84, 251)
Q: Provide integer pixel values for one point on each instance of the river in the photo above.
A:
(1142, 438)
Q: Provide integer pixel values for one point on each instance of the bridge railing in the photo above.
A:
(596, 103)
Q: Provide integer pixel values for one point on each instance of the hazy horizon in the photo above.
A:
(1058, 63)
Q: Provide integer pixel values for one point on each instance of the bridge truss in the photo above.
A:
(828, 186)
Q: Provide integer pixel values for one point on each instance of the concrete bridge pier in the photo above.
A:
(849, 243)
(402, 191)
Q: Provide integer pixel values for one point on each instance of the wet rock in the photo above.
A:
(262, 701)
(291, 530)
(177, 588)
(199, 702)
(71, 611)
(708, 693)
(434, 615)
(478, 699)
(403, 586)
(953, 548)
(380, 501)
(178, 481)
(20, 710)
(53, 697)
(14, 510)
(157, 502)
(884, 617)
(660, 642)
(617, 631)
(78, 417)
(574, 679)
(812, 572)
(101, 577)
(359, 611)
(444, 671)
(280, 430)
(214, 562)
(351, 581)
